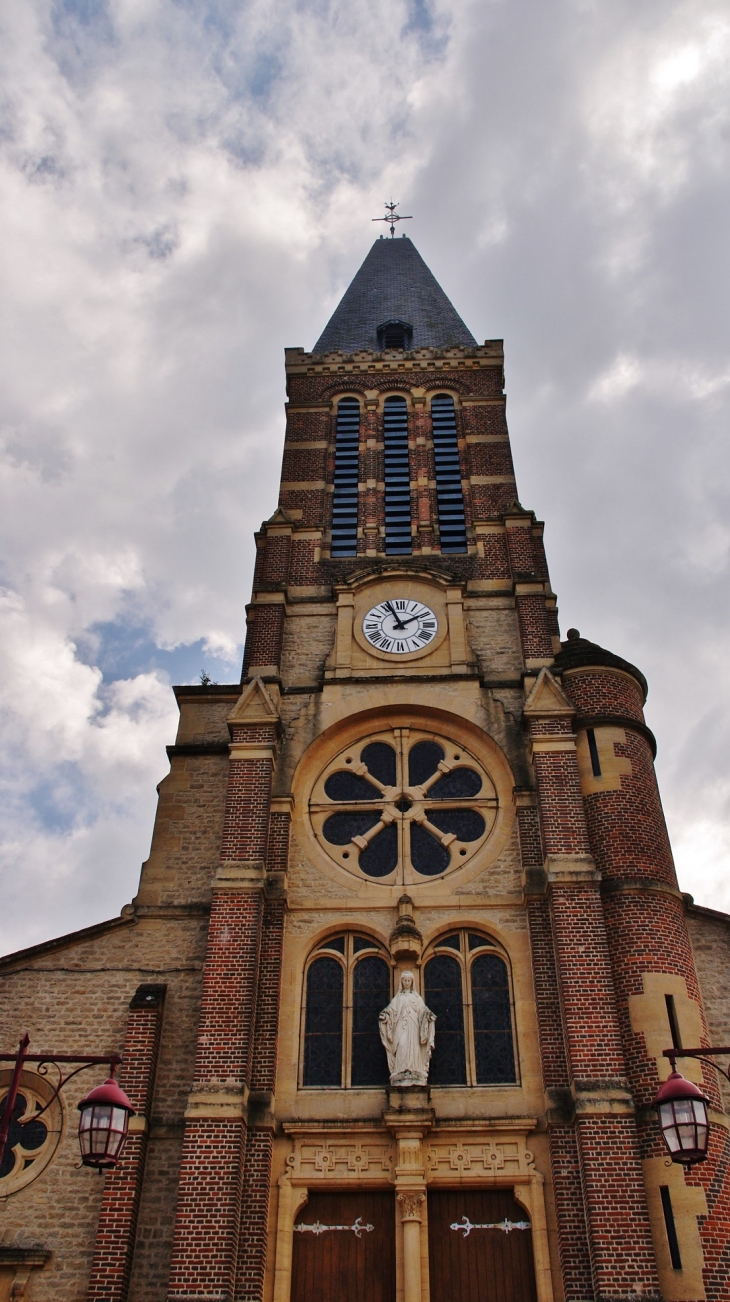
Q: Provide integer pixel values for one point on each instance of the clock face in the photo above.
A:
(400, 626)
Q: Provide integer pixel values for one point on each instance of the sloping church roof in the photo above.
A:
(393, 284)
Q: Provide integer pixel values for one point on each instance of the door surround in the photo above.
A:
(411, 1160)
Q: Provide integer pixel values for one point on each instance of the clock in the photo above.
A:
(400, 626)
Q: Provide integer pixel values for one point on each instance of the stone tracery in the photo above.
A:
(403, 805)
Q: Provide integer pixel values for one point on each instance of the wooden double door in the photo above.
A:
(479, 1247)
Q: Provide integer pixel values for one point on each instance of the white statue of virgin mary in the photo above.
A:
(407, 1029)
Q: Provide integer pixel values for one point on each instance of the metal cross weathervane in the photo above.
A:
(392, 217)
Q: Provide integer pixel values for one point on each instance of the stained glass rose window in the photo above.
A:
(403, 805)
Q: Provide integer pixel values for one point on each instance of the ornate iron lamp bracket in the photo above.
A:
(45, 1061)
(702, 1055)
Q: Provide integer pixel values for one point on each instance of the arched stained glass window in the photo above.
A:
(449, 493)
(370, 995)
(493, 1048)
(467, 986)
(347, 985)
(445, 998)
(323, 1023)
(397, 475)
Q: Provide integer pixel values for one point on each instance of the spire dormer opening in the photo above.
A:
(394, 334)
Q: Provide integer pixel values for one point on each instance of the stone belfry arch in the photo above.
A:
(414, 774)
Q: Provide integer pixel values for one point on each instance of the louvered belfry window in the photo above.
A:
(397, 478)
(449, 495)
(344, 498)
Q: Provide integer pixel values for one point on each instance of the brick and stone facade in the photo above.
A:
(200, 984)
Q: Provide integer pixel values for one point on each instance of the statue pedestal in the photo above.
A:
(409, 1098)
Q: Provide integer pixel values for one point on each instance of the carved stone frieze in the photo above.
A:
(472, 1156)
(316, 1157)
(344, 1153)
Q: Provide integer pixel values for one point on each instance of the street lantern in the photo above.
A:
(103, 1125)
(683, 1119)
(105, 1112)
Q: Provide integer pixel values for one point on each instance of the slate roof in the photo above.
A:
(577, 652)
(393, 283)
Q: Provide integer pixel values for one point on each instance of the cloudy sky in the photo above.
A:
(187, 188)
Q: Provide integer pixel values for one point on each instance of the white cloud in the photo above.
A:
(186, 189)
(620, 378)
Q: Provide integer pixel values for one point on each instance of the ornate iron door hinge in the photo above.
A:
(506, 1226)
(319, 1228)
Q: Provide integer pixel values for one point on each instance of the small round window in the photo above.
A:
(35, 1129)
(404, 806)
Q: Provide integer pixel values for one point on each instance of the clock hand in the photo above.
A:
(389, 607)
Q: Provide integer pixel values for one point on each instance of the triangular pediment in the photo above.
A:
(279, 517)
(254, 705)
(547, 698)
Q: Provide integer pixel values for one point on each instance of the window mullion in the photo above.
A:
(471, 1072)
(347, 1017)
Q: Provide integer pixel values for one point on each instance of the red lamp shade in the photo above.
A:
(683, 1120)
(105, 1114)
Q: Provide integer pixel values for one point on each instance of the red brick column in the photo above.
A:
(260, 1142)
(115, 1236)
(619, 1236)
(536, 625)
(423, 473)
(206, 1243)
(264, 636)
(564, 1161)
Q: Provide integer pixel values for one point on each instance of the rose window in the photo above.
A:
(403, 805)
(34, 1132)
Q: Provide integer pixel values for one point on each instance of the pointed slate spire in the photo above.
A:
(393, 284)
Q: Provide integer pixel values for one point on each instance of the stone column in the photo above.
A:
(409, 1118)
(410, 1205)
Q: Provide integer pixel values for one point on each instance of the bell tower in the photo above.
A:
(423, 778)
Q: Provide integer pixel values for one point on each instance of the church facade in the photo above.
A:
(416, 776)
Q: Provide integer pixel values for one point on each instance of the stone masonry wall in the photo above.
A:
(75, 999)
(709, 933)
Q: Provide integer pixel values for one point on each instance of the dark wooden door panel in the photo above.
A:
(336, 1265)
(483, 1265)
